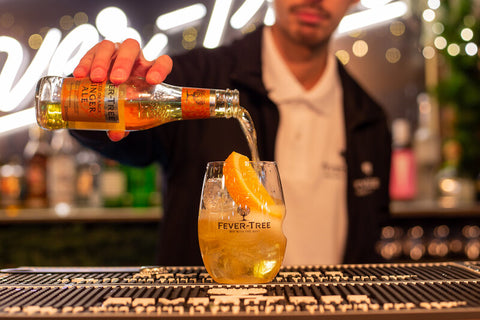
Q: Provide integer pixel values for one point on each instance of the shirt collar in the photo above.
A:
(283, 87)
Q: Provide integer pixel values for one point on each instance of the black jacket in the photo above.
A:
(183, 148)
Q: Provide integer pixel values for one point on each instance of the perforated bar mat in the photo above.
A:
(376, 291)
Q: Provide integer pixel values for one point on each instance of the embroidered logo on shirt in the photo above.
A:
(367, 168)
(365, 186)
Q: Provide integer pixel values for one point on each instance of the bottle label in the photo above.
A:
(83, 100)
(195, 103)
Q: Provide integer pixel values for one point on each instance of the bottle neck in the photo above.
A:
(225, 104)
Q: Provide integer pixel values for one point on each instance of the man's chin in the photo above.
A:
(312, 37)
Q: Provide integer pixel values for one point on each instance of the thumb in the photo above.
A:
(115, 135)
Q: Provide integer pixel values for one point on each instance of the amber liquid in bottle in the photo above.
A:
(134, 105)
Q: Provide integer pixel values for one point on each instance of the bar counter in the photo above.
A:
(449, 290)
(406, 209)
(73, 214)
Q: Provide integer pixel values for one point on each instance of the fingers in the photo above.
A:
(126, 56)
(102, 60)
(96, 62)
(141, 67)
(116, 136)
(83, 68)
(128, 60)
(159, 70)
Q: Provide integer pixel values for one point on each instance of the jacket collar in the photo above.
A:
(248, 70)
(359, 108)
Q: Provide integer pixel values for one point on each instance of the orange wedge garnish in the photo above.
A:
(245, 187)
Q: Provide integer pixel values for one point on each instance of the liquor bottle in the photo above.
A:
(134, 105)
(88, 171)
(403, 171)
(426, 147)
(113, 185)
(11, 185)
(142, 185)
(36, 153)
(453, 188)
(61, 171)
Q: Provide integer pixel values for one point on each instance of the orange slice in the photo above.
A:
(245, 187)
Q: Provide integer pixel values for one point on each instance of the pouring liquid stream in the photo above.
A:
(246, 123)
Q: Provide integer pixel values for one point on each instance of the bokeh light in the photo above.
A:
(440, 43)
(453, 49)
(466, 34)
(397, 28)
(428, 15)
(393, 55)
(66, 22)
(360, 48)
(428, 52)
(343, 56)
(35, 41)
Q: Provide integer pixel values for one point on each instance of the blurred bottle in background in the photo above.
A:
(403, 171)
(113, 185)
(426, 147)
(61, 172)
(87, 179)
(142, 185)
(36, 154)
(452, 188)
(12, 185)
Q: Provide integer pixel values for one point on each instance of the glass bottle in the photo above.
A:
(88, 172)
(142, 185)
(403, 171)
(113, 185)
(11, 184)
(134, 105)
(453, 187)
(36, 154)
(426, 147)
(61, 171)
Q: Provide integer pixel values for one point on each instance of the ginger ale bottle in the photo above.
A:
(134, 105)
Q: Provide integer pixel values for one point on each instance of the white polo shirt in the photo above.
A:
(309, 147)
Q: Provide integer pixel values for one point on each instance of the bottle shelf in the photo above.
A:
(432, 209)
(411, 209)
(399, 209)
(50, 215)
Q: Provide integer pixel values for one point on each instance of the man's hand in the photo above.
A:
(118, 62)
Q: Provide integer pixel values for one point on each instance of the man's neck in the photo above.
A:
(307, 64)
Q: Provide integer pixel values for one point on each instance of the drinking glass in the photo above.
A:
(241, 243)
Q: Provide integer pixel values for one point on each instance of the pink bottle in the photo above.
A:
(403, 170)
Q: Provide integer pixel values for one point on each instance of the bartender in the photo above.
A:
(329, 137)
